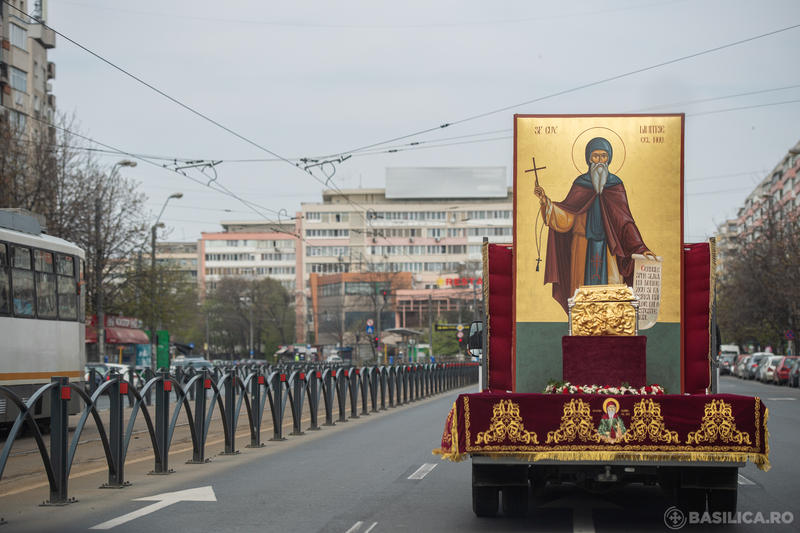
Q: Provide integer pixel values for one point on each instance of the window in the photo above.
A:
(5, 306)
(19, 79)
(45, 284)
(81, 300)
(67, 297)
(19, 36)
(313, 216)
(22, 275)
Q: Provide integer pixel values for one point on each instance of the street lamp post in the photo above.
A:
(246, 300)
(153, 320)
(101, 316)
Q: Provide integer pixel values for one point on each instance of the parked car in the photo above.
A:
(100, 369)
(185, 363)
(782, 369)
(766, 368)
(125, 370)
(794, 373)
(753, 363)
(726, 363)
(333, 359)
(741, 364)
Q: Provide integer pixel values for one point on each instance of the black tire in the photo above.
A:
(722, 500)
(692, 500)
(485, 501)
(515, 501)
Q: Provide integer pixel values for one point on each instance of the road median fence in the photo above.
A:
(160, 398)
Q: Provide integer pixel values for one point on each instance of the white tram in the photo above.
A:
(42, 311)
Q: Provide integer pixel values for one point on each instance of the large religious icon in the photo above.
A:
(598, 200)
(592, 233)
(573, 181)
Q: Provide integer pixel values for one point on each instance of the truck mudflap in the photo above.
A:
(668, 429)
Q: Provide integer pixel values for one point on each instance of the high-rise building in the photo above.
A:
(25, 72)
(777, 196)
(427, 222)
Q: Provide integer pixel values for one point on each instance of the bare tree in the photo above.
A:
(759, 294)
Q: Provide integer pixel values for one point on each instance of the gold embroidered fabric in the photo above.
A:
(647, 422)
(576, 422)
(506, 424)
(718, 423)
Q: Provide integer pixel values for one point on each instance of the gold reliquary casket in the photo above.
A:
(603, 310)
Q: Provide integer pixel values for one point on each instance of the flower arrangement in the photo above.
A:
(565, 387)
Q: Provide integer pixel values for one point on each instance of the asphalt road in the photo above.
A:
(377, 474)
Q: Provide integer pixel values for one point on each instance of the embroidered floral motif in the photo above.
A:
(576, 422)
(647, 422)
(506, 424)
(718, 423)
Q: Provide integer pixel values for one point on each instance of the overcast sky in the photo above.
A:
(304, 79)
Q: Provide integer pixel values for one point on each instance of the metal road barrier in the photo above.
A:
(198, 393)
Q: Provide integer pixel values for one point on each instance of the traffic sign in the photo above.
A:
(789, 335)
(370, 328)
(460, 334)
(460, 327)
(370, 322)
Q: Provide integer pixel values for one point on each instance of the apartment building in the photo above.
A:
(776, 196)
(25, 72)
(428, 222)
(179, 256)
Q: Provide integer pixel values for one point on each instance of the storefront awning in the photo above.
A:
(118, 336)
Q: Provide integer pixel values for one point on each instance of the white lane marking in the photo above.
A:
(422, 471)
(355, 527)
(744, 481)
(782, 399)
(582, 521)
(371, 527)
(199, 494)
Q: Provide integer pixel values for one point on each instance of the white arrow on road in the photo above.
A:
(200, 494)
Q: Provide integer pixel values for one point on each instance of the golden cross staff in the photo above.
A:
(537, 239)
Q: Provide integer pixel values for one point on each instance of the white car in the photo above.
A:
(333, 359)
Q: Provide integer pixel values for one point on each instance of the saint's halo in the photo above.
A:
(579, 148)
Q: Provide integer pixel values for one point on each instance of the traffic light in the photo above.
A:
(375, 341)
(385, 294)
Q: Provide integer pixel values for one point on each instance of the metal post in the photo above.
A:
(116, 437)
(430, 325)
(163, 388)
(98, 272)
(255, 407)
(200, 387)
(59, 398)
(276, 395)
(297, 402)
(313, 402)
(252, 352)
(329, 392)
(153, 336)
(230, 414)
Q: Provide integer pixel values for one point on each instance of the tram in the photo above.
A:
(42, 311)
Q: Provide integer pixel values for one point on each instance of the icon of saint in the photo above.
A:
(592, 233)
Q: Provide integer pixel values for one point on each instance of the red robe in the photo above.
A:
(622, 235)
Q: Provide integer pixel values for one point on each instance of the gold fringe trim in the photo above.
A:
(766, 466)
(453, 454)
(760, 460)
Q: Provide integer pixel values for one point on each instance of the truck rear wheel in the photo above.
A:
(485, 501)
(515, 501)
(723, 500)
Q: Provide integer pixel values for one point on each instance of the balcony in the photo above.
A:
(51, 70)
(45, 36)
